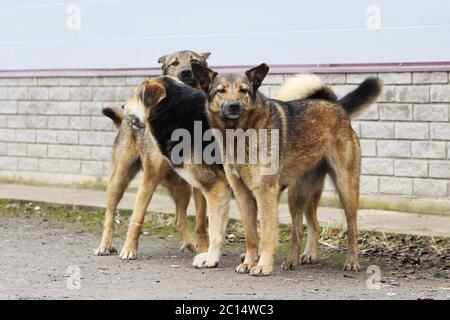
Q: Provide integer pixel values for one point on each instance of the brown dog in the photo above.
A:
(307, 140)
(129, 156)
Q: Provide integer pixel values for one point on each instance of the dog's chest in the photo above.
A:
(248, 174)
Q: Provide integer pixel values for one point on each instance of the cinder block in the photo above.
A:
(396, 77)
(412, 94)
(29, 82)
(58, 151)
(114, 81)
(58, 122)
(25, 135)
(3, 93)
(67, 108)
(411, 168)
(17, 121)
(135, 81)
(440, 131)
(3, 121)
(81, 94)
(46, 136)
(440, 169)
(4, 82)
(8, 107)
(92, 108)
(412, 131)
(8, 163)
(389, 185)
(430, 187)
(124, 93)
(79, 123)
(91, 81)
(402, 112)
(440, 93)
(38, 93)
(332, 78)
(394, 149)
(59, 93)
(27, 164)
(7, 135)
(368, 148)
(48, 81)
(370, 113)
(59, 165)
(431, 112)
(79, 152)
(18, 93)
(67, 137)
(104, 94)
(92, 167)
(37, 150)
(383, 130)
(36, 122)
(387, 94)
(430, 77)
(17, 149)
(3, 149)
(428, 150)
(102, 124)
(274, 79)
(69, 81)
(341, 90)
(101, 153)
(377, 166)
(369, 185)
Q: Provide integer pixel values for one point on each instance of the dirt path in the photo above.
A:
(35, 255)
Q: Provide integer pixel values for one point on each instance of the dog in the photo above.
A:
(129, 156)
(164, 105)
(315, 139)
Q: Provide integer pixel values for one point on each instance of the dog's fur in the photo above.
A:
(132, 150)
(315, 139)
(165, 104)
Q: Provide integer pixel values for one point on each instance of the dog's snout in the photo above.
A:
(233, 110)
(186, 74)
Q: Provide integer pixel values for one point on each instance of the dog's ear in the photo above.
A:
(205, 55)
(204, 76)
(163, 59)
(151, 92)
(257, 74)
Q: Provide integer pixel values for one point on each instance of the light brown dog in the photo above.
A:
(130, 155)
(310, 139)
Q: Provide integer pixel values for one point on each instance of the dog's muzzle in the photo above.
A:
(232, 111)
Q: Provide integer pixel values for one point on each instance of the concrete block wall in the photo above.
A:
(52, 129)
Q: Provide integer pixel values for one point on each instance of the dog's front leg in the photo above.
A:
(217, 199)
(267, 202)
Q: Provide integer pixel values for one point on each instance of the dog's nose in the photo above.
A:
(186, 74)
(233, 110)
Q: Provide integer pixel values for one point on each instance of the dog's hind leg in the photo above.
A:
(296, 202)
(310, 252)
(122, 172)
(149, 182)
(181, 194)
(200, 221)
(345, 172)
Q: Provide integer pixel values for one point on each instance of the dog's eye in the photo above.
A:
(243, 90)
(221, 90)
(174, 64)
(195, 61)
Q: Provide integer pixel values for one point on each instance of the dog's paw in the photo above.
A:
(290, 265)
(128, 254)
(103, 251)
(261, 270)
(242, 257)
(244, 268)
(204, 260)
(351, 264)
(188, 246)
(309, 258)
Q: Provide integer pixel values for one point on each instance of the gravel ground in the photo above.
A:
(41, 259)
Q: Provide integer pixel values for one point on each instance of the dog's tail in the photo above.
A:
(305, 86)
(362, 97)
(309, 86)
(115, 115)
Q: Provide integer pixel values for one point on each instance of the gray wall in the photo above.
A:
(65, 34)
(52, 130)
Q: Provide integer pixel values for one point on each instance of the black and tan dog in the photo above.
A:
(315, 138)
(166, 106)
(131, 152)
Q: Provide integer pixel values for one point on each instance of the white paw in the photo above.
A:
(103, 251)
(205, 260)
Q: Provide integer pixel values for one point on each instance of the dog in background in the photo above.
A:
(129, 156)
(315, 139)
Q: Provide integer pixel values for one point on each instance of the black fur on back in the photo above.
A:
(182, 107)
(324, 93)
(361, 97)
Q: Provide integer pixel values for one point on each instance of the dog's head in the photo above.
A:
(232, 97)
(179, 64)
(161, 98)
